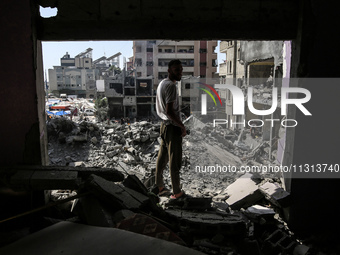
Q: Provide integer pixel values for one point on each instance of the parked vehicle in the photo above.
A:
(89, 112)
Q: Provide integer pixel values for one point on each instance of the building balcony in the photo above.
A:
(180, 43)
(173, 55)
(187, 69)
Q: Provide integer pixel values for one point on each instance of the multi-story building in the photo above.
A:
(231, 71)
(74, 76)
(198, 58)
(258, 65)
(151, 58)
(129, 96)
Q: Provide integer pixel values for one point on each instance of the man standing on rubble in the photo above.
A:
(172, 130)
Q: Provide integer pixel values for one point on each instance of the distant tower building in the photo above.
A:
(74, 76)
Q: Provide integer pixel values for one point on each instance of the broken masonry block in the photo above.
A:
(243, 192)
(45, 180)
(258, 213)
(278, 242)
(276, 194)
(115, 194)
(132, 182)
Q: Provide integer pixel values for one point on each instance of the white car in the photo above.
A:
(89, 112)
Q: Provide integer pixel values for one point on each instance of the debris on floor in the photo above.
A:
(110, 168)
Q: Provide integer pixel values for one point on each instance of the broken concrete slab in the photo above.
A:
(110, 174)
(209, 222)
(90, 210)
(243, 192)
(132, 182)
(115, 195)
(259, 214)
(45, 180)
(191, 203)
(275, 194)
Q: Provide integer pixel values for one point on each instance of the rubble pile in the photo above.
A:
(247, 218)
(109, 168)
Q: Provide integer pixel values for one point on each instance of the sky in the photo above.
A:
(53, 51)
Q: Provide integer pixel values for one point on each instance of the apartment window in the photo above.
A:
(184, 62)
(86, 61)
(187, 86)
(149, 50)
(230, 66)
(203, 63)
(152, 42)
(149, 63)
(138, 49)
(238, 54)
(159, 50)
(203, 51)
(182, 50)
(168, 50)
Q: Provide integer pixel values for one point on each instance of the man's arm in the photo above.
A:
(174, 117)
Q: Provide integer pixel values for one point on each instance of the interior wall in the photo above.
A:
(316, 139)
(19, 137)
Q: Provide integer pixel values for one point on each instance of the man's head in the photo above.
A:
(175, 70)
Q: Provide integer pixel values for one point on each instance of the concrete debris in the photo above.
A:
(45, 180)
(118, 196)
(276, 194)
(243, 192)
(222, 214)
(210, 223)
(278, 242)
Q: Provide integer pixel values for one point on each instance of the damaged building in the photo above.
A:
(310, 212)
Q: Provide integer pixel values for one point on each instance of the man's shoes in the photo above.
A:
(162, 192)
(180, 195)
(177, 201)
